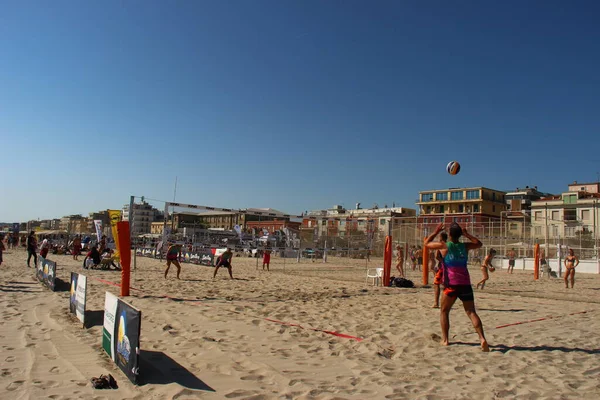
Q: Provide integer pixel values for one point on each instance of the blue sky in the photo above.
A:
(294, 105)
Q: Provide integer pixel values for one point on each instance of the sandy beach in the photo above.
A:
(269, 335)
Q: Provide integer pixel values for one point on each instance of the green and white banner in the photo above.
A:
(121, 335)
(78, 296)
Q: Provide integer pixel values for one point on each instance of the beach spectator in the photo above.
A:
(76, 247)
(419, 257)
(1, 248)
(224, 261)
(457, 281)
(543, 262)
(102, 244)
(31, 249)
(571, 262)
(266, 259)
(92, 258)
(487, 265)
(173, 254)
(45, 247)
(438, 278)
(413, 257)
(512, 255)
(400, 260)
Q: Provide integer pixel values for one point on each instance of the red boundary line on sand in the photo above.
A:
(198, 302)
(539, 319)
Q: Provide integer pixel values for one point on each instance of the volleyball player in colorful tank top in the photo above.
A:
(457, 281)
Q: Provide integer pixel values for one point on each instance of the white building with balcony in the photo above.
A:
(568, 215)
(144, 215)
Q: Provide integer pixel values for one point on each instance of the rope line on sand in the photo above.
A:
(540, 319)
(199, 302)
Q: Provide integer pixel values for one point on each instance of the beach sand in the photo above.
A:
(226, 339)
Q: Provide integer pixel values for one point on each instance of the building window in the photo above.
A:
(456, 195)
(570, 215)
(585, 215)
(538, 215)
(324, 222)
(513, 227)
(424, 220)
(554, 230)
(493, 208)
(472, 194)
(475, 207)
(570, 231)
(441, 196)
(361, 223)
(342, 223)
(427, 197)
(570, 199)
(493, 196)
(429, 209)
(382, 221)
(538, 230)
(461, 208)
(441, 209)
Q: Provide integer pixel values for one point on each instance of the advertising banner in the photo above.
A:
(115, 216)
(78, 296)
(98, 225)
(121, 335)
(46, 272)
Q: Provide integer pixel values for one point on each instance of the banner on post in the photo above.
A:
(98, 225)
(115, 216)
(121, 335)
(46, 272)
(78, 296)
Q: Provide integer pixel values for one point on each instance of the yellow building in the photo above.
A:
(475, 204)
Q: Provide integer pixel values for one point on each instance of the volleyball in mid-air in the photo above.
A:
(453, 167)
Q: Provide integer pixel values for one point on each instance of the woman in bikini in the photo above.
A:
(570, 263)
(400, 260)
(173, 254)
(487, 264)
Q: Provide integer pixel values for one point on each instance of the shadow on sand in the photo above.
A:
(94, 318)
(157, 368)
(503, 348)
(61, 286)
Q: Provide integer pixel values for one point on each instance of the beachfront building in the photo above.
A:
(572, 214)
(99, 216)
(143, 216)
(226, 220)
(156, 228)
(480, 208)
(74, 224)
(272, 226)
(517, 216)
(338, 221)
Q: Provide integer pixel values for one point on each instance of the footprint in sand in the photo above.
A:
(10, 359)
(14, 385)
(54, 370)
(5, 372)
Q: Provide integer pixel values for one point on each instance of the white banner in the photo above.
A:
(78, 295)
(110, 314)
(98, 224)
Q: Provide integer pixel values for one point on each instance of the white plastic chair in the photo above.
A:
(376, 274)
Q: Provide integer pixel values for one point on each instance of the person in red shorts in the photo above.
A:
(439, 273)
(266, 259)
